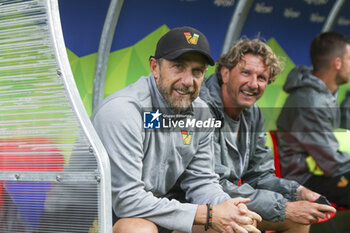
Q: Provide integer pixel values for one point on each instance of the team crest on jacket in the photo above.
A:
(186, 137)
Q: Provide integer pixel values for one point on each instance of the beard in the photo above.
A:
(177, 104)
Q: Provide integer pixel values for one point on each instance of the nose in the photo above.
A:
(187, 79)
(253, 82)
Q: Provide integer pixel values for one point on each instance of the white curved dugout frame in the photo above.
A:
(105, 208)
(40, 102)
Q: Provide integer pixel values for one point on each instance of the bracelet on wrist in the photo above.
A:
(209, 216)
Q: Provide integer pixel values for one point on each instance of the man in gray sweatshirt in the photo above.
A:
(241, 156)
(309, 150)
(158, 135)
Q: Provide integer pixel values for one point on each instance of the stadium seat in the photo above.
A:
(276, 156)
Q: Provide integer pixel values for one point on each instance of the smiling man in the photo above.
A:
(241, 77)
(150, 163)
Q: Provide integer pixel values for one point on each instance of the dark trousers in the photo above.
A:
(336, 189)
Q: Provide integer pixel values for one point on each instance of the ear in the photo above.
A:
(154, 65)
(225, 74)
(337, 63)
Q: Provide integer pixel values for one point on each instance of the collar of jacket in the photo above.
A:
(301, 77)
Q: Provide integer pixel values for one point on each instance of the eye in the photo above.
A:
(178, 66)
(245, 72)
(262, 78)
(198, 72)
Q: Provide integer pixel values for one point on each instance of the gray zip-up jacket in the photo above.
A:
(306, 124)
(146, 164)
(268, 193)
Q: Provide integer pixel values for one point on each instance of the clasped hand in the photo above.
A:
(233, 216)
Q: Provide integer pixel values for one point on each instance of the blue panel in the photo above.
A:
(29, 198)
(292, 23)
(343, 23)
(139, 18)
(82, 24)
(82, 21)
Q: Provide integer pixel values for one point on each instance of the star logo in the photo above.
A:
(156, 115)
(151, 120)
